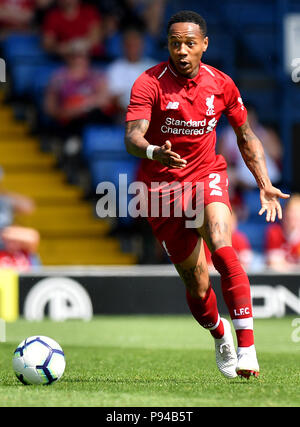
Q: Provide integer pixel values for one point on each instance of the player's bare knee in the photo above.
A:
(216, 234)
(195, 279)
(217, 237)
(219, 243)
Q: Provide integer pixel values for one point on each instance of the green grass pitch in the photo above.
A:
(152, 361)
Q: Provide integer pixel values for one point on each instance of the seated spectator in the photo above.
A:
(16, 15)
(18, 245)
(130, 67)
(240, 177)
(77, 90)
(147, 15)
(153, 14)
(283, 239)
(16, 203)
(12, 203)
(117, 16)
(77, 96)
(72, 20)
(18, 248)
(240, 243)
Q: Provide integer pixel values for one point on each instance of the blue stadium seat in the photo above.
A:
(264, 40)
(104, 142)
(110, 171)
(251, 200)
(265, 101)
(22, 75)
(220, 52)
(255, 233)
(114, 46)
(24, 55)
(25, 76)
(250, 12)
(42, 79)
(17, 46)
(294, 6)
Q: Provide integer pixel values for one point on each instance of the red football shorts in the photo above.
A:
(178, 235)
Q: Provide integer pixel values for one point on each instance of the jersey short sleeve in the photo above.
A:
(234, 108)
(142, 98)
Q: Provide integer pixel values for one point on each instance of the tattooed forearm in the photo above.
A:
(253, 154)
(135, 142)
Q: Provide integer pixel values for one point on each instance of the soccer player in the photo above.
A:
(171, 124)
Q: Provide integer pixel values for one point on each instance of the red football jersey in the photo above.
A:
(65, 29)
(185, 112)
(289, 249)
(18, 260)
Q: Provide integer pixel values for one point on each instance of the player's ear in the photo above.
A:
(205, 44)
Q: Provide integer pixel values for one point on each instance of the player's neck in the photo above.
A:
(194, 73)
(190, 76)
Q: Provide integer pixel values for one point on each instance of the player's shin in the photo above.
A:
(205, 311)
(236, 292)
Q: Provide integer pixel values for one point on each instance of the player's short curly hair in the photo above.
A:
(188, 16)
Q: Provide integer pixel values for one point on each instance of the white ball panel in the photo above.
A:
(18, 365)
(53, 344)
(57, 365)
(31, 375)
(35, 354)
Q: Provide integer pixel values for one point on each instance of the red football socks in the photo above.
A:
(205, 311)
(236, 292)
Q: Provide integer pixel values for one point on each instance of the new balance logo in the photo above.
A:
(172, 106)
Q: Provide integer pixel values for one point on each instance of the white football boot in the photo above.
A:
(225, 352)
(247, 364)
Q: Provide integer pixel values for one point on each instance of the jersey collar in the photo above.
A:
(184, 81)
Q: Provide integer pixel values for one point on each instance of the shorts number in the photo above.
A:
(215, 179)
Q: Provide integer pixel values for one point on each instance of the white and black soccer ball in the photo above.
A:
(39, 360)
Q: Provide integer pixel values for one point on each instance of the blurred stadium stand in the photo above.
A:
(70, 234)
(246, 41)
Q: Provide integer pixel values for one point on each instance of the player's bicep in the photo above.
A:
(142, 99)
(234, 107)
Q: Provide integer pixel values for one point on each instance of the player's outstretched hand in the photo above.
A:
(169, 158)
(269, 198)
